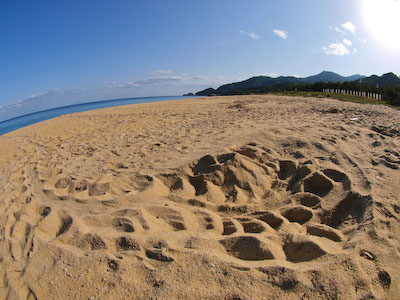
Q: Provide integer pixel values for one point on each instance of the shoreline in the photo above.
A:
(47, 114)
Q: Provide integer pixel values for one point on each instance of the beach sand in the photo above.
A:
(242, 197)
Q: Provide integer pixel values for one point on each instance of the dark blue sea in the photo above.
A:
(22, 121)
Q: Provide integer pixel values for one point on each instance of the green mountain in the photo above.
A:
(265, 81)
(259, 81)
(382, 81)
(327, 76)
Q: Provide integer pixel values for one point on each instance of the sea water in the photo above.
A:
(22, 121)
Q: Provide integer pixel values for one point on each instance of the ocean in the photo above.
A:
(22, 121)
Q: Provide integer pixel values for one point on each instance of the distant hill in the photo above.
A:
(382, 81)
(265, 81)
(327, 76)
(259, 81)
(206, 92)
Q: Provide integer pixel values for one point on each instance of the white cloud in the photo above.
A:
(336, 49)
(161, 80)
(355, 51)
(347, 42)
(337, 29)
(161, 72)
(117, 84)
(152, 81)
(200, 77)
(349, 26)
(254, 36)
(40, 101)
(281, 33)
(158, 80)
(47, 95)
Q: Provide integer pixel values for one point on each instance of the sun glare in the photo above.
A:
(382, 17)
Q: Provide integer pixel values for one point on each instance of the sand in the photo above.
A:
(250, 197)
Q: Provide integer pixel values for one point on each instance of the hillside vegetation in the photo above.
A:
(388, 85)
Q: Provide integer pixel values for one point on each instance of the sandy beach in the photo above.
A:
(242, 197)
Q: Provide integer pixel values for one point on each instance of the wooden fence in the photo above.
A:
(355, 93)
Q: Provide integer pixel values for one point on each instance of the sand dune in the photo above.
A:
(251, 197)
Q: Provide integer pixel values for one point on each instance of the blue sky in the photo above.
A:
(56, 53)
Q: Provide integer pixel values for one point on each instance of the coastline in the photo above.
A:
(21, 121)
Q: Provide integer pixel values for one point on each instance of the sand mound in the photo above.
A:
(288, 213)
